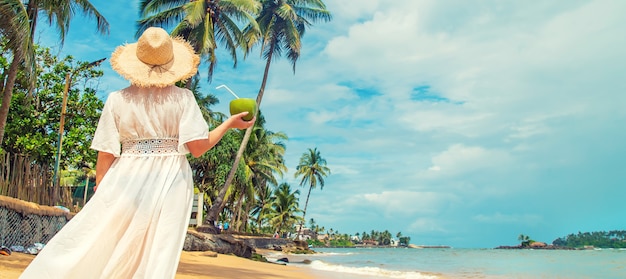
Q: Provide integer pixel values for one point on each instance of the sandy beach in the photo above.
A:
(192, 265)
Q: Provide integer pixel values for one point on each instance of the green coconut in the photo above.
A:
(241, 105)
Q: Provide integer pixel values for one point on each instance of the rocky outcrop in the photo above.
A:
(269, 243)
(546, 247)
(538, 244)
(242, 246)
(220, 243)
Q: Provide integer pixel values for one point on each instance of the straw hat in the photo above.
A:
(156, 59)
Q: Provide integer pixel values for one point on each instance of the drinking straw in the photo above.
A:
(231, 92)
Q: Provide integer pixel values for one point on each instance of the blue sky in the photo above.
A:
(462, 123)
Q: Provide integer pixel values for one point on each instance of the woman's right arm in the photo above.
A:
(104, 162)
(198, 147)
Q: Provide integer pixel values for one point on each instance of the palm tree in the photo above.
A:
(15, 27)
(263, 163)
(385, 237)
(21, 18)
(204, 23)
(261, 206)
(205, 102)
(313, 169)
(524, 239)
(279, 28)
(284, 208)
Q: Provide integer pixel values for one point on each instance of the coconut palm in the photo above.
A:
(263, 163)
(15, 28)
(22, 18)
(279, 28)
(204, 23)
(313, 169)
(524, 239)
(205, 102)
(284, 209)
(261, 206)
(265, 159)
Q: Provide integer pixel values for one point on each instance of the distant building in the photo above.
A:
(370, 242)
(394, 242)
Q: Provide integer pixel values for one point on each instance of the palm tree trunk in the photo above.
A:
(306, 203)
(259, 221)
(219, 203)
(33, 14)
(246, 216)
(8, 92)
(237, 219)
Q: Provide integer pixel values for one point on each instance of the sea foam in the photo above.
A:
(370, 271)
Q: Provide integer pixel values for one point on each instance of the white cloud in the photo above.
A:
(426, 225)
(459, 159)
(403, 203)
(499, 218)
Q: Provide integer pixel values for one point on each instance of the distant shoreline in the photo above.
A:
(411, 246)
(548, 247)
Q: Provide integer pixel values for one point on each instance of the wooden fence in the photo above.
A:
(23, 179)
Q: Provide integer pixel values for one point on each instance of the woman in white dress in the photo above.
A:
(135, 224)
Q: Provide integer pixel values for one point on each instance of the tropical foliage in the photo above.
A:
(204, 23)
(599, 239)
(33, 121)
(525, 240)
(312, 168)
(333, 238)
(250, 204)
(18, 22)
(283, 208)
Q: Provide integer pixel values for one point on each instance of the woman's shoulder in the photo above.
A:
(114, 95)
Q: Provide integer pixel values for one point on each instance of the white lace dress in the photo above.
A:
(135, 224)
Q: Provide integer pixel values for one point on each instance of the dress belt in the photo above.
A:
(149, 146)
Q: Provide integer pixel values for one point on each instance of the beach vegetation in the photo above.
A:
(283, 211)
(18, 25)
(258, 257)
(33, 126)
(597, 239)
(312, 168)
(33, 121)
(204, 24)
(332, 238)
(248, 199)
(525, 240)
(263, 164)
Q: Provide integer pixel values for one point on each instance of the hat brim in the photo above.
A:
(183, 66)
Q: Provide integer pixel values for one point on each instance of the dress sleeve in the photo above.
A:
(192, 124)
(107, 136)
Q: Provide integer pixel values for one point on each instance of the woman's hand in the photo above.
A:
(236, 121)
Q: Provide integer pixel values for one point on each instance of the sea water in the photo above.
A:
(348, 263)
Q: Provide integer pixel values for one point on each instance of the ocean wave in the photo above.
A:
(370, 271)
(334, 254)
